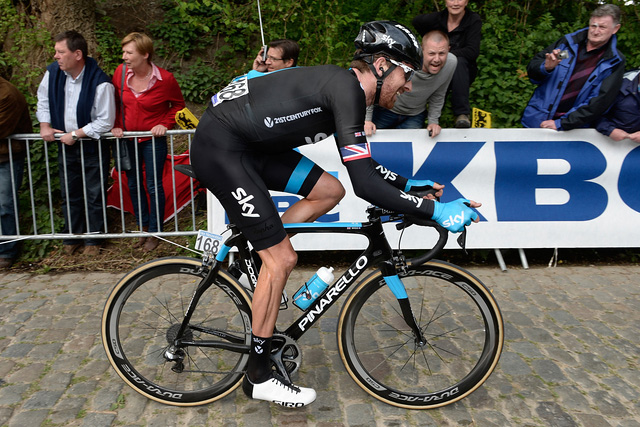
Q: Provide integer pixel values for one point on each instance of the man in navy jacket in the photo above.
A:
(578, 76)
(623, 120)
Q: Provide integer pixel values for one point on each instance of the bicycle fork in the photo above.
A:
(397, 288)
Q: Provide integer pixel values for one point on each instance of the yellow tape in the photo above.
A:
(186, 120)
(480, 119)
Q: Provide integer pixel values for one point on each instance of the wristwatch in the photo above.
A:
(74, 136)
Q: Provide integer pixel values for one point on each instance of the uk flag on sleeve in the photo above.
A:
(355, 151)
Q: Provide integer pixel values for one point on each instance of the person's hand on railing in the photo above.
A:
(369, 128)
(117, 132)
(158, 130)
(454, 216)
(48, 133)
(434, 130)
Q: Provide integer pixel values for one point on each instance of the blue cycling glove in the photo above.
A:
(453, 215)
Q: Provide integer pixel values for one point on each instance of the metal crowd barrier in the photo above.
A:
(29, 225)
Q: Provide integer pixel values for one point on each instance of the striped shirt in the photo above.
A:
(585, 64)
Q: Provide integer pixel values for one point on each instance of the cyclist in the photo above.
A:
(244, 145)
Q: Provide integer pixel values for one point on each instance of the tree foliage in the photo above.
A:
(208, 42)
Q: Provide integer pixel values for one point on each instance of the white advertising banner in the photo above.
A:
(538, 188)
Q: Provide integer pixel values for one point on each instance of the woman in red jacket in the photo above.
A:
(148, 98)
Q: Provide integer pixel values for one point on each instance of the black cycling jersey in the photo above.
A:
(250, 124)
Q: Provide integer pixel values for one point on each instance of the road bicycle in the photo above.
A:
(414, 333)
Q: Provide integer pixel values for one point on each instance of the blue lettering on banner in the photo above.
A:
(444, 163)
(395, 156)
(517, 179)
(629, 179)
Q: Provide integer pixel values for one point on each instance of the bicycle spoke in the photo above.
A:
(145, 325)
(426, 362)
(379, 348)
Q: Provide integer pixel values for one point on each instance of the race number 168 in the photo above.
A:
(208, 242)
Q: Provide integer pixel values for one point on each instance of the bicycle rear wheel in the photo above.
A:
(142, 316)
(458, 317)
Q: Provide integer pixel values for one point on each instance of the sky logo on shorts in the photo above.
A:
(243, 200)
(355, 152)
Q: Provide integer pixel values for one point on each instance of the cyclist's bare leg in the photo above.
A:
(261, 382)
(277, 263)
(324, 196)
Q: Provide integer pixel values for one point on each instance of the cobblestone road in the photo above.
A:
(571, 358)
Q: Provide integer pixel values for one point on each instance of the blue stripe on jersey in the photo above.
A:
(298, 176)
(253, 73)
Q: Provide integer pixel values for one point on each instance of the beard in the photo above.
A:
(387, 97)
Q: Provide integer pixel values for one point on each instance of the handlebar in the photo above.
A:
(443, 237)
(405, 221)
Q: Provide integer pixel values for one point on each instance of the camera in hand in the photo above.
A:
(563, 54)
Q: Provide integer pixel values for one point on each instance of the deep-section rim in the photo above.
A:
(158, 263)
(375, 277)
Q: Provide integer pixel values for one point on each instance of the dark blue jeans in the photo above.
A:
(8, 209)
(84, 210)
(386, 119)
(152, 154)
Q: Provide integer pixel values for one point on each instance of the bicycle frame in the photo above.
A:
(377, 253)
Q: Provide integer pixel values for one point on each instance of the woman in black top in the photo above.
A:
(464, 29)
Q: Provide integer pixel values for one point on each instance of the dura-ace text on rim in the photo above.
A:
(456, 314)
(141, 319)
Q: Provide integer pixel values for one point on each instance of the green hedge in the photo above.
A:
(205, 43)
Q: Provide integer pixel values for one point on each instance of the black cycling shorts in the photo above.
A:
(241, 176)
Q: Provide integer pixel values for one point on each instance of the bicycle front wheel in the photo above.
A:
(457, 315)
(141, 319)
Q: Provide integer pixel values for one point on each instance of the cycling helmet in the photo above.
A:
(390, 39)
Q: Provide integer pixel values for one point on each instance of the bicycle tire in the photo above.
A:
(455, 312)
(147, 306)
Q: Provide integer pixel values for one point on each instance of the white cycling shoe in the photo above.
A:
(278, 390)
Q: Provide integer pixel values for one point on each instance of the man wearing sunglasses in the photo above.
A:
(244, 147)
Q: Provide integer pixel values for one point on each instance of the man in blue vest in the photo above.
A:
(578, 76)
(76, 99)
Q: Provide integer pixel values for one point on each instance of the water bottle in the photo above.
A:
(308, 293)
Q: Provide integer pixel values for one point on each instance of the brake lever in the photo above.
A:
(421, 194)
(462, 240)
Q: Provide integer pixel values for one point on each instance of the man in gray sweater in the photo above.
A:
(427, 95)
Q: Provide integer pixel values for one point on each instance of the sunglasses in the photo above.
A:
(408, 71)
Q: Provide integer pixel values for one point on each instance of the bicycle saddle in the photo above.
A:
(187, 170)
